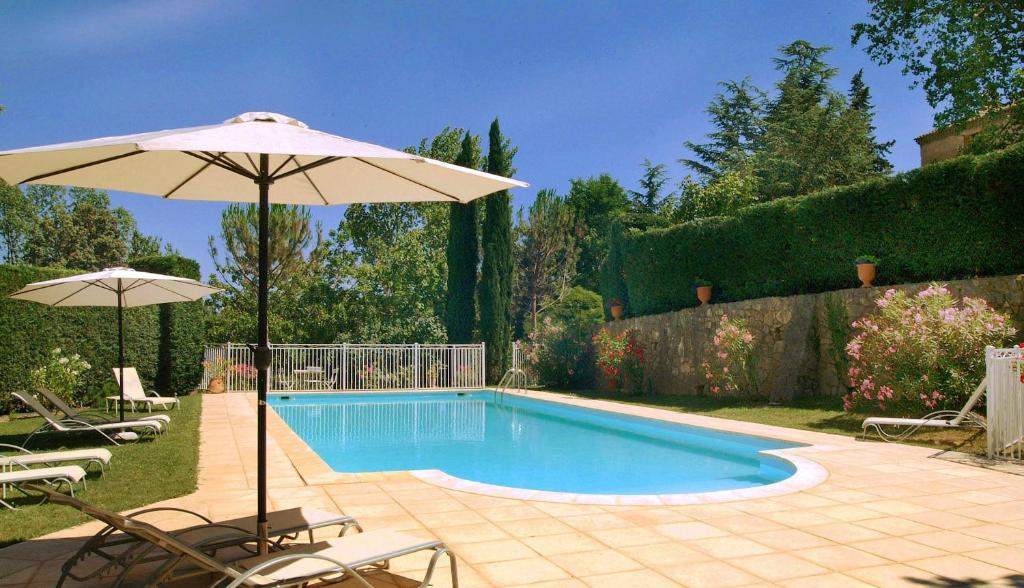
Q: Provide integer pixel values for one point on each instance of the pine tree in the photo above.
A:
(738, 117)
(496, 271)
(463, 255)
(860, 102)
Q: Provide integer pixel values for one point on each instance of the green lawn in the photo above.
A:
(140, 473)
(822, 414)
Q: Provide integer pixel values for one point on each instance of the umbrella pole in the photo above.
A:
(262, 352)
(120, 350)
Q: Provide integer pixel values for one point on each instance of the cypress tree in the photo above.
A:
(463, 255)
(496, 271)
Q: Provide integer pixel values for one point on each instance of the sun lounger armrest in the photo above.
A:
(255, 570)
(136, 513)
(17, 447)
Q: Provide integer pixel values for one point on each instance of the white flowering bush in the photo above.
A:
(61, 375)
(921, 352)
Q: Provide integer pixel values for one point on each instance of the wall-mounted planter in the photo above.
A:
(704, 294)
(616, 310)
(866, 274)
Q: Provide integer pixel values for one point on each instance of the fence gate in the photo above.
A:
(1005, 402)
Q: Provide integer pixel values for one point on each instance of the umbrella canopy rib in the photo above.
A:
(45, 175)
(408, 179)
(181, 185)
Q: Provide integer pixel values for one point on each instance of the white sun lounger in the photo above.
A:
(135, 392)
(98, 456)
(55, 476)
(91, 417)
(113, 431)
(336, 559)
(941, 419)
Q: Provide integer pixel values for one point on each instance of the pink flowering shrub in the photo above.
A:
(556, 354)
(730, 367)
(921, 352)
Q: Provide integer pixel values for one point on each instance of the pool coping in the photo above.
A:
(314, 470)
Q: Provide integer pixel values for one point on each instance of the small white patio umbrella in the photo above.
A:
(238, 161)
(117, 286)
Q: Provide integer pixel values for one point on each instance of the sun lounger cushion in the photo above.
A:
(98, 454)
(72, 472)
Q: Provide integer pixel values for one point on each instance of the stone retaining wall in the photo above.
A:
(795, 353)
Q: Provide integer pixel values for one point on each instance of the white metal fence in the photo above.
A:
(1005, 402)
(352, 366)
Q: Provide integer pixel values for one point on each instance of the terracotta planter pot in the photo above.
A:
(616, 310)
(866, 274)
(216, 386)
(704, 294)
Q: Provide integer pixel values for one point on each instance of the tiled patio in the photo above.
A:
(887, 515)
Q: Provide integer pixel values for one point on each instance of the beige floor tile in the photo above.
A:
(746, 523)
(628, 536)
(778, 566)
(844, 532)
(998, 533)
(710, 574)
(896, 526)
(951, 541)
(492, 551)
(728, 547)
(1008, 557)
(470, 533)
(534, 527)
(592, 563)
(451, 518)
(833, 580)
(512, 513)
(897, 549)
(562, 543)
(522, 571)
(692, 530)
(789, 539)
(840, 557)
(897, 576)
(569, 583)
(594, 522)
(632, 579)
(664, 555)
(961, 568)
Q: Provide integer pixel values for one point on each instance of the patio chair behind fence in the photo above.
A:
(1005, 402)
(348, 366)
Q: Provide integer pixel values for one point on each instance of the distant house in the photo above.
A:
(948, 142)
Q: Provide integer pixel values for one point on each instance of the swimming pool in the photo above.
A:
(520, 442)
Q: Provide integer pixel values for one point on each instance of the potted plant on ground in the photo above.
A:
(866, 269)
(703, 288)
(218, 370)
(616, 307)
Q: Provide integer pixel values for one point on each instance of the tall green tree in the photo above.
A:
(652, 197)
(496, 270)
(546, 252)
(967, 54)
(71, 227)
(737, 115)
(860, 103)
(463, 255)
(597, 201)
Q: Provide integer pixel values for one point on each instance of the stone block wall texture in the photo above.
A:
(795, 353)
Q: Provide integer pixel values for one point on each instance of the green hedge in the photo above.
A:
(950, 220)
(164, 344)
(182, 328)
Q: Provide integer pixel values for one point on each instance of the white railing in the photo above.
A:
(347, 366)
(1005, 402)
(521, 366)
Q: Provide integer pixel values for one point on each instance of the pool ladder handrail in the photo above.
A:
(515, 378)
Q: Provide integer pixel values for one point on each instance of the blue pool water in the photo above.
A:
(524, 442)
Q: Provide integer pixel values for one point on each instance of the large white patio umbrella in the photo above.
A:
(238, 161)
(117, 286)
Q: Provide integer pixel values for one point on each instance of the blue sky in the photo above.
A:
(581, 87)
